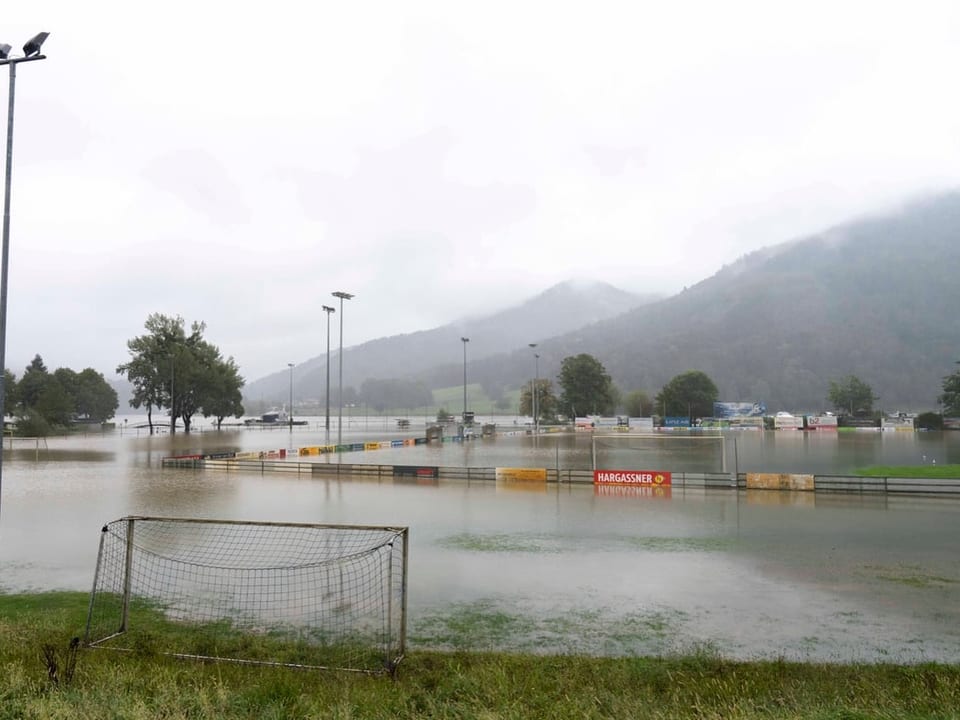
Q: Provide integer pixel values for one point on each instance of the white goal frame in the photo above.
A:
(660, 438)
(289, 594)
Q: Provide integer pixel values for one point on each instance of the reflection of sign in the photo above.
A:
(659, 491)
(415, 471)
(537, 475)
(652, 478)
(779, 481)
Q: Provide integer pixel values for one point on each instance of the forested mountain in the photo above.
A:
(436, 353)
(878, 298)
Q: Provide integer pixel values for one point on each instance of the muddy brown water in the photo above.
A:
(560, 568)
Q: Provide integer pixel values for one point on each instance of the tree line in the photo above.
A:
(42, 402)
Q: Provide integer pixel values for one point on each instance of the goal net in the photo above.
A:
(318, 596)
(669, 452)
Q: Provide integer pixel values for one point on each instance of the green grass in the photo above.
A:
(911, 471)
(457, 684)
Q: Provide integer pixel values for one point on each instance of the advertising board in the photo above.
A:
(739, 409)
(631, 477)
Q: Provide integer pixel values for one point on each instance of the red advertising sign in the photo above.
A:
(641, 478)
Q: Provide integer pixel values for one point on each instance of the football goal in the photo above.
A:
(299, 595)
(700, 453)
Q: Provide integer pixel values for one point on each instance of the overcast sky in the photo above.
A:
(439, 159)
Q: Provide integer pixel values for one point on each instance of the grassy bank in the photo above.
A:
(911, 471)
(435, 684)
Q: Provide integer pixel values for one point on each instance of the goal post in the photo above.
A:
(674, 452)
(291, 594)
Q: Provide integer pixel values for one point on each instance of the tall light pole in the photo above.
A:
(328, 310)
(343, 296)
(31, 51)
(290, 414)
(535, 391)
(173, 404)
(464, 340)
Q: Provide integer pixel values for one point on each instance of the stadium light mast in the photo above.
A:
(342, 296)
(327, 309)
(290, 414)
(535, 391)
(464, 340)
(31, 52)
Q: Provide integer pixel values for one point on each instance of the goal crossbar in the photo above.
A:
(665, 451)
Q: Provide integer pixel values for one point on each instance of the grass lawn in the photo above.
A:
(438, 684)
(911, 471)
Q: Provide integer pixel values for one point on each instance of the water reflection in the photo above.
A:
(569, 567)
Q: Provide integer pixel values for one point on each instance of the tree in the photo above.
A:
(585, 386)
(93, 398)
(224, 397)
(638, 404)
(184, 373)
(32, 382)
(546, 400)
(950, 399)
(54, 403)
(851, 395)
(690, 394)
(11, 397)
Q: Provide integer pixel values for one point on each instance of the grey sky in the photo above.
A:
(440, 159)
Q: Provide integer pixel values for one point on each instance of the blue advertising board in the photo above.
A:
(739, 409)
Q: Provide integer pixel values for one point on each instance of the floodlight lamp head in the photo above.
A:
(328, 309)
(465, 339)
(33, 44)
(4, 51)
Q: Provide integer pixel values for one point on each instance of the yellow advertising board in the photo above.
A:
(522, 475)
(779, 481)
(522, 480)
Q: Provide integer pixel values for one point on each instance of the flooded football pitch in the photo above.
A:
(556, 568)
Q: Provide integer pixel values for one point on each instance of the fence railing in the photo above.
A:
(822, 483)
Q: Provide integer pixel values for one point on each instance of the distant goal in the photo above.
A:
(673, 452)
(298, 595)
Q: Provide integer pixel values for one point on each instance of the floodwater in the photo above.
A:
(560, 568)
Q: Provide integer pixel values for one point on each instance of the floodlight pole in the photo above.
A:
(290, 414)
(464, 340)
(534, 391)
(342, 296)
(31, 50)
(328, 310)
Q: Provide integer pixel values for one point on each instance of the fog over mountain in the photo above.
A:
(433, 354)
(876, 297)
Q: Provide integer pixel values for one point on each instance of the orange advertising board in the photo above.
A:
(638, 478)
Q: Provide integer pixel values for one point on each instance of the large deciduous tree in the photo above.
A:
(690, 394)
(183, 373)
(851, 395)
(546, 400)
(585, 387)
